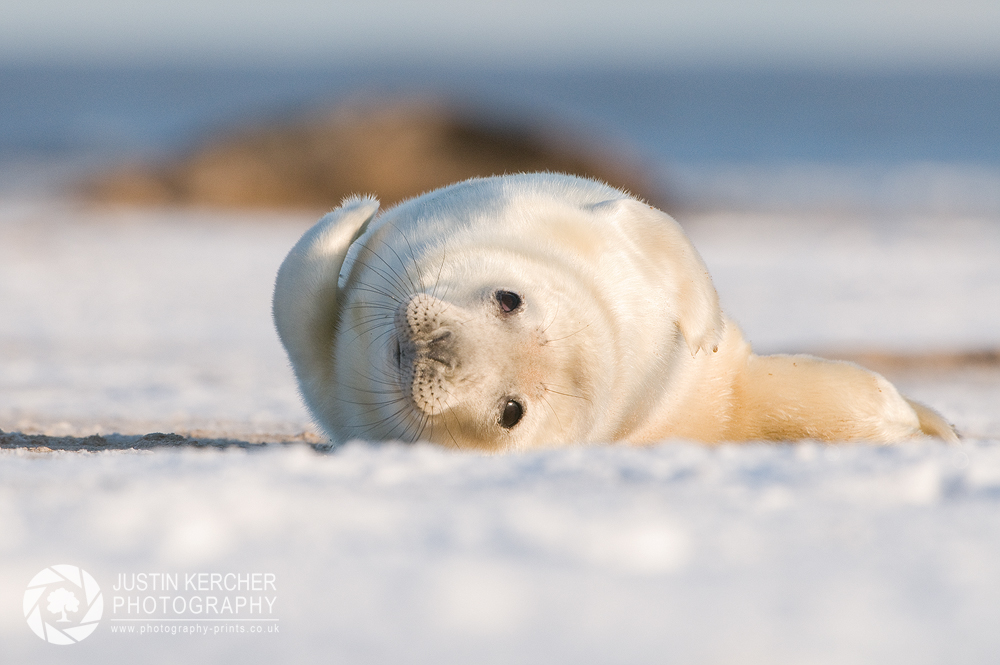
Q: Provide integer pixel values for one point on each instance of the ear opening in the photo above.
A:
(663, 241)
(305, 304)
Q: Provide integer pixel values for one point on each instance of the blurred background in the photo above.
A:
(889, 104)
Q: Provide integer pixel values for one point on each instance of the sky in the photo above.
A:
(866, 34)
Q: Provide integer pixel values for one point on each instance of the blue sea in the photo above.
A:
(925, 141)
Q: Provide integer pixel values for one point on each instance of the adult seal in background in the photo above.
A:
(531, 310)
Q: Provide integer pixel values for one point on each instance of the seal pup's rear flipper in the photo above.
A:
(931, 423)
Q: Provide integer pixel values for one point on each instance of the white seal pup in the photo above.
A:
(531, 310)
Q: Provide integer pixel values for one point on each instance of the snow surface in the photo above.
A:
(138, 321)
(679, 553)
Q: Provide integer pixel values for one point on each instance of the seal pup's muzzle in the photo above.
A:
(426, 352)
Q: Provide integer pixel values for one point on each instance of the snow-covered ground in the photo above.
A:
(132, 322)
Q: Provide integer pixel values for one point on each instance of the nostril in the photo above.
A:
(441, 349)
(441, 338)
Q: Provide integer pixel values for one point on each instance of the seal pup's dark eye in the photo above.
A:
(512, 413)
(509, 301)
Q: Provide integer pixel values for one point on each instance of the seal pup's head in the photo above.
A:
(497, 313)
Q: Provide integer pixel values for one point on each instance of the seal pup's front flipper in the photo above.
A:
(306, 305)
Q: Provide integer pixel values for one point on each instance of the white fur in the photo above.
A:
(395, 331)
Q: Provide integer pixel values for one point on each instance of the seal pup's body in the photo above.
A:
(538, 310)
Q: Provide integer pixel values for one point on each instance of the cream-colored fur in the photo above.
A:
(397, 328)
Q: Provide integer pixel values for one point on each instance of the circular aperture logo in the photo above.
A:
(63, 604)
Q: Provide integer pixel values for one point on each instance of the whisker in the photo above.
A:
(376, 290)
(423, 425)
(556, 392)
(554, 412)
(393, 277)
(437, 280)
(559, 339)
(386, 381)
(410, 425)
(375, 406)
(388, 418)
(368, 304)
(367, 320)
(406, 271)
(444, 421)
(377, 339)
(545, 329)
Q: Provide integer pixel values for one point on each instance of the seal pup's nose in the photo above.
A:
(426, 352)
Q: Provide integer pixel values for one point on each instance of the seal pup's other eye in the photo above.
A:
(509, 301)
(512, 413)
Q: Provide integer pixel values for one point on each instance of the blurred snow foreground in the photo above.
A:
(117, 324)
(381, 554)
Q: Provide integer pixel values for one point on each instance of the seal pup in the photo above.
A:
(539, 309)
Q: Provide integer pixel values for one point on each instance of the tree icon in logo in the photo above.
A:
(55, 594)
(61, 600)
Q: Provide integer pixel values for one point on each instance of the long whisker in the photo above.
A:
(424, 421)
(437, 280)
(556, 392)
(386, 381)
(378, 291)
(393, 276)
(411, 424)
(396, 290)
(554, 412)
(367, 324)
(444, 421)
(406, 271)
(576, 332)
(376, 405)
(368, 304)
(388, 330)
(392, 416)
(554, 317)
